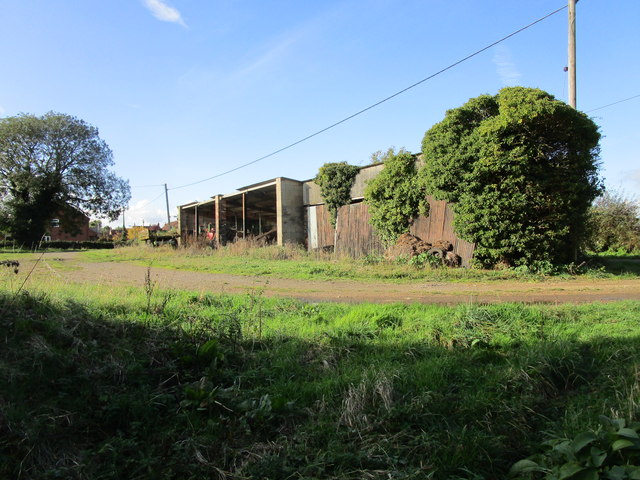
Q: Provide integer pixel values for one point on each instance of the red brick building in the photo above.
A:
(74, 227)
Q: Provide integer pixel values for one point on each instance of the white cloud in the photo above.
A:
(164, 12)
(506, 69)
(634, 177)
(2, 110)
(144, 211)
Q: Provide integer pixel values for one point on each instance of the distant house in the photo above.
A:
(170, 226)
(71, 226)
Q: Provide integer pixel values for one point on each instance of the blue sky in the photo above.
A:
(183, 90)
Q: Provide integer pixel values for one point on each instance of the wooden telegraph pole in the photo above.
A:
(166, 196)
(572, 53)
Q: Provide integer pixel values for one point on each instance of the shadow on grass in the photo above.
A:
(93, 392)
(620, 265)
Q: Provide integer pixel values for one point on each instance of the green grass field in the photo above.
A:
(294, 262)
(140, 383)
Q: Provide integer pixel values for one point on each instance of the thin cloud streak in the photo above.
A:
(634, 176)
(199, 78)
(269, 57)
(164, 12)
(505, 67)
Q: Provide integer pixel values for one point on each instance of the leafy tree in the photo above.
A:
(614, 224)
(96, 224)
(335, 181)
(382, 156)
(54, 165)
(395, 196)
(522, 169)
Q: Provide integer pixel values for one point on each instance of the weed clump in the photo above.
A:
(11, 264)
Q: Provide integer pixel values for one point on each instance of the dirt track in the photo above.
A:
(552, 291)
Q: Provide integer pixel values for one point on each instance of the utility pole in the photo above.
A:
(572, 53)
(123, 227)
(166, 196)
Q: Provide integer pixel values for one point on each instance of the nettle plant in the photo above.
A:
(335, 181)
(612, 453)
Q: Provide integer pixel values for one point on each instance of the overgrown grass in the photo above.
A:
(142, 383)
(295, 262)
(621, 264)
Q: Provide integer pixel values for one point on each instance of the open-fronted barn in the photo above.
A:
(270, 210)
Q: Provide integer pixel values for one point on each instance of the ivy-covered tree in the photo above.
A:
(522, 169)
(614, 223)
(335, 181)
(50, 166)
(395, 196)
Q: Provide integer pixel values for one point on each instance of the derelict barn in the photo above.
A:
(269, 211)
(353, 234)
(283, 210)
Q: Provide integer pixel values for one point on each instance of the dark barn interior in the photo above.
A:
(247, 214)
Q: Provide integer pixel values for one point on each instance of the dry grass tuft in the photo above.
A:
(628, 398)
(363, 402)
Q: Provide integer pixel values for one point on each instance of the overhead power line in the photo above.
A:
(156, 198)
(149, 202)
(147, 186)
(611, 104)
(439, 72)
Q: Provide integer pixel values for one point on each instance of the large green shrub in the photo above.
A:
(395, 196)
(614, 224)
(522, 168)
(335, 181)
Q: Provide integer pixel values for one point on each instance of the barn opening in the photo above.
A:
(249, 213)
(268, 212)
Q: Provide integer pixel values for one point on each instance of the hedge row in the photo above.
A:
(70, 245)
(64, 245)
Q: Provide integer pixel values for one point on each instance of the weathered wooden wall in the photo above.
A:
(325, 231)
(355, 236)
(186, 223)
(438, 225)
